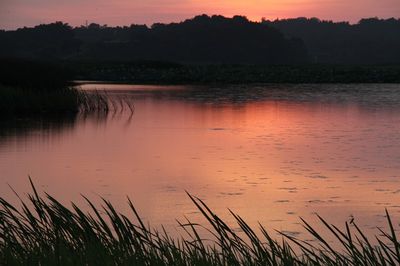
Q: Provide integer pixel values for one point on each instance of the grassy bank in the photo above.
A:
(32, 87)
(36, 87)
(67, 100)
(45, 232)
(20, 100)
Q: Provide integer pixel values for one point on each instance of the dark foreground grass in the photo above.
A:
(42, 231)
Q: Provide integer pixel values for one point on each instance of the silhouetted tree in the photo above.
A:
(371, 41)
(51, 41)
(215, 39)
(202, 39)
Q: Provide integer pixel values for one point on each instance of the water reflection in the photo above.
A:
(23, 129)
(271, 154)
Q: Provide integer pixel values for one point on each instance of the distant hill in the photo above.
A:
(212, 40)
(371, 41)
(202, 39)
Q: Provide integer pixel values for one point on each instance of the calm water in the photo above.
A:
(269, 153)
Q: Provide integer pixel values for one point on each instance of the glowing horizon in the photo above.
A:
(19, 13)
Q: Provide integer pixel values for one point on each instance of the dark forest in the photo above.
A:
(213, 40)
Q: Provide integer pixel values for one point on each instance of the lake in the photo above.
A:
(271, 153)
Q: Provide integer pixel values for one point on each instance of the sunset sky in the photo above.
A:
(18, 13)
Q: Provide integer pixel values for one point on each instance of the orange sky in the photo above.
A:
(17, 13)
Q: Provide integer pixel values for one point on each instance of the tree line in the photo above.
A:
(212, 40)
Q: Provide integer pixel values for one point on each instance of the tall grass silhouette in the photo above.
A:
(42, 231)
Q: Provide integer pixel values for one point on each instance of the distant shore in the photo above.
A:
(36, 74)
(173, 74)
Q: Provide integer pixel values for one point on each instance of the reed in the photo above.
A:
(42, 231)
(102, 102)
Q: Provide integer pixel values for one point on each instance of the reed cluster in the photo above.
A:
(102, 102)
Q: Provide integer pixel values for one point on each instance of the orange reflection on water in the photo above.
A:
(270, 161)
